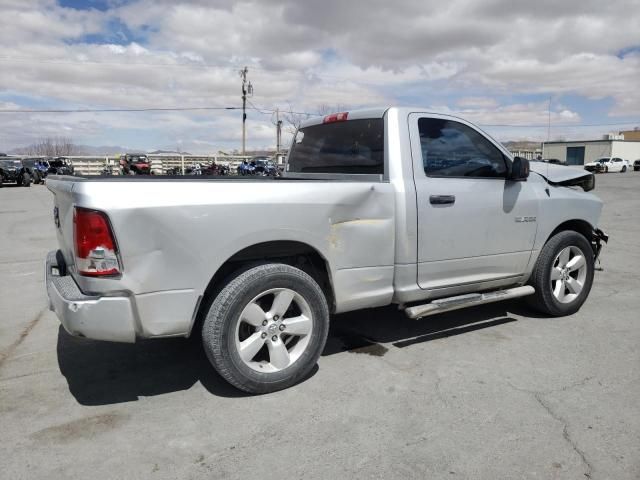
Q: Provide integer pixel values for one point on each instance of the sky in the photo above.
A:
(498, 63)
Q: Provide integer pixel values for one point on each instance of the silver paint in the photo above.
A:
(381, 241)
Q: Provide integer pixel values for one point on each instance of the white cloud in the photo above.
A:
(488, 58)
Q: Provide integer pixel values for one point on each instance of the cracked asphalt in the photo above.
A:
(490, 392)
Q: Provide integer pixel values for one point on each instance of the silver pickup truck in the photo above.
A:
(376, 207)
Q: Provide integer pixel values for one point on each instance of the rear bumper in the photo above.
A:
(100, 318)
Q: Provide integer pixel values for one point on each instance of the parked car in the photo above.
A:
(607, 164)
(135, 164)
(12, 170)
(265, 167)
(61, 166)
(375, 207)
(39, 167)
(246, 168)
(636, 165)
(215, 169)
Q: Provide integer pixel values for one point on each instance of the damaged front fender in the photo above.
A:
(565, 176)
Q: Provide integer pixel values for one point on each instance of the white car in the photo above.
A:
(608, 164)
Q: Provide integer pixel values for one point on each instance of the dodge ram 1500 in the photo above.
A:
(375, 207)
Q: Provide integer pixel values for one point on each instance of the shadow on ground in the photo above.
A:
(363, 330)
(100, 373)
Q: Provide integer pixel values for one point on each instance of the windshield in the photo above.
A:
(602, 160)
(9, 163)
(350, 147)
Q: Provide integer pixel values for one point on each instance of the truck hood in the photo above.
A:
(562, 175)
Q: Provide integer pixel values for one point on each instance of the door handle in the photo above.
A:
(442, 199)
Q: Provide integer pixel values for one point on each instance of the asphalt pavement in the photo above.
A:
(485, 393)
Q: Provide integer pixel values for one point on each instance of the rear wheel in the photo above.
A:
(624, 169)
(266, 328)
(26, 180)
(563, 274)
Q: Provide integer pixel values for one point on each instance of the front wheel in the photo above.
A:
(266, 328)
(563, 275)
(26, 180)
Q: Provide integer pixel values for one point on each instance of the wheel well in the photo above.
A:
(296, 254)
(580, 226)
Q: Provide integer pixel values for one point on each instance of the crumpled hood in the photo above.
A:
(572, 175)
(558, 173)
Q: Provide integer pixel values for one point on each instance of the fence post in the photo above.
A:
(182, 161)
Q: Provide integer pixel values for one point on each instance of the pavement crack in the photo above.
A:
(25, 332)
(539, 397)
(565, 433)
(439, 392)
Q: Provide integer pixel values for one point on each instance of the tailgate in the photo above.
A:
(62, 189)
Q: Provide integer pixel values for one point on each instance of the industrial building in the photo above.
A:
(579, 152)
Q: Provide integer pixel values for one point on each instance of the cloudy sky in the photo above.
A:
(495, 62)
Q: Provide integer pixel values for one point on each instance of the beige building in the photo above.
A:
(579, 152)
(633, 135)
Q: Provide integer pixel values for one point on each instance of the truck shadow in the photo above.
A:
(365, 331)
(100, 373)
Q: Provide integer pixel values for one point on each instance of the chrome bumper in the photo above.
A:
(95, 317)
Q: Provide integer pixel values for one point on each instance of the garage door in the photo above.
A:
(575, 155)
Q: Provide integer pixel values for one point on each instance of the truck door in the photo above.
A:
(474, 225)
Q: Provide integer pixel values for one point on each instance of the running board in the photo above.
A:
(464, 301)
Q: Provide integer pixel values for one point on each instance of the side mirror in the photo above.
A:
(519, 169)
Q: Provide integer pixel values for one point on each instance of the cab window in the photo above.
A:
(452, 149)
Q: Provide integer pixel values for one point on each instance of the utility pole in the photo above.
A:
(247, 88)
(549, 124)
(278, 130)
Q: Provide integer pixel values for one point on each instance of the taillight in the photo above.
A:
(96, 249)
(336, 117)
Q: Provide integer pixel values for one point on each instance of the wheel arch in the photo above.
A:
(295, 253)
(580, 226)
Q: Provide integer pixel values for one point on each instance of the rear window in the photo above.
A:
(351, 147)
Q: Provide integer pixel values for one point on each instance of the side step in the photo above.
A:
(469, 300)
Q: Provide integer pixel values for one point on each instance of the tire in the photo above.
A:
(606, 169)
(624, 169)
(558, 297)
(36, 177)
(266, 368)
(26, 180)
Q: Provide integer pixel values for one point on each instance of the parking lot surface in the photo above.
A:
(484, 393)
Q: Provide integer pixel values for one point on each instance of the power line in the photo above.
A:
(102, 110)
(268, 111)
(263, 111)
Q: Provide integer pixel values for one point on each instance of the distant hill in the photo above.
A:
(170, 152)
(521, 145)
